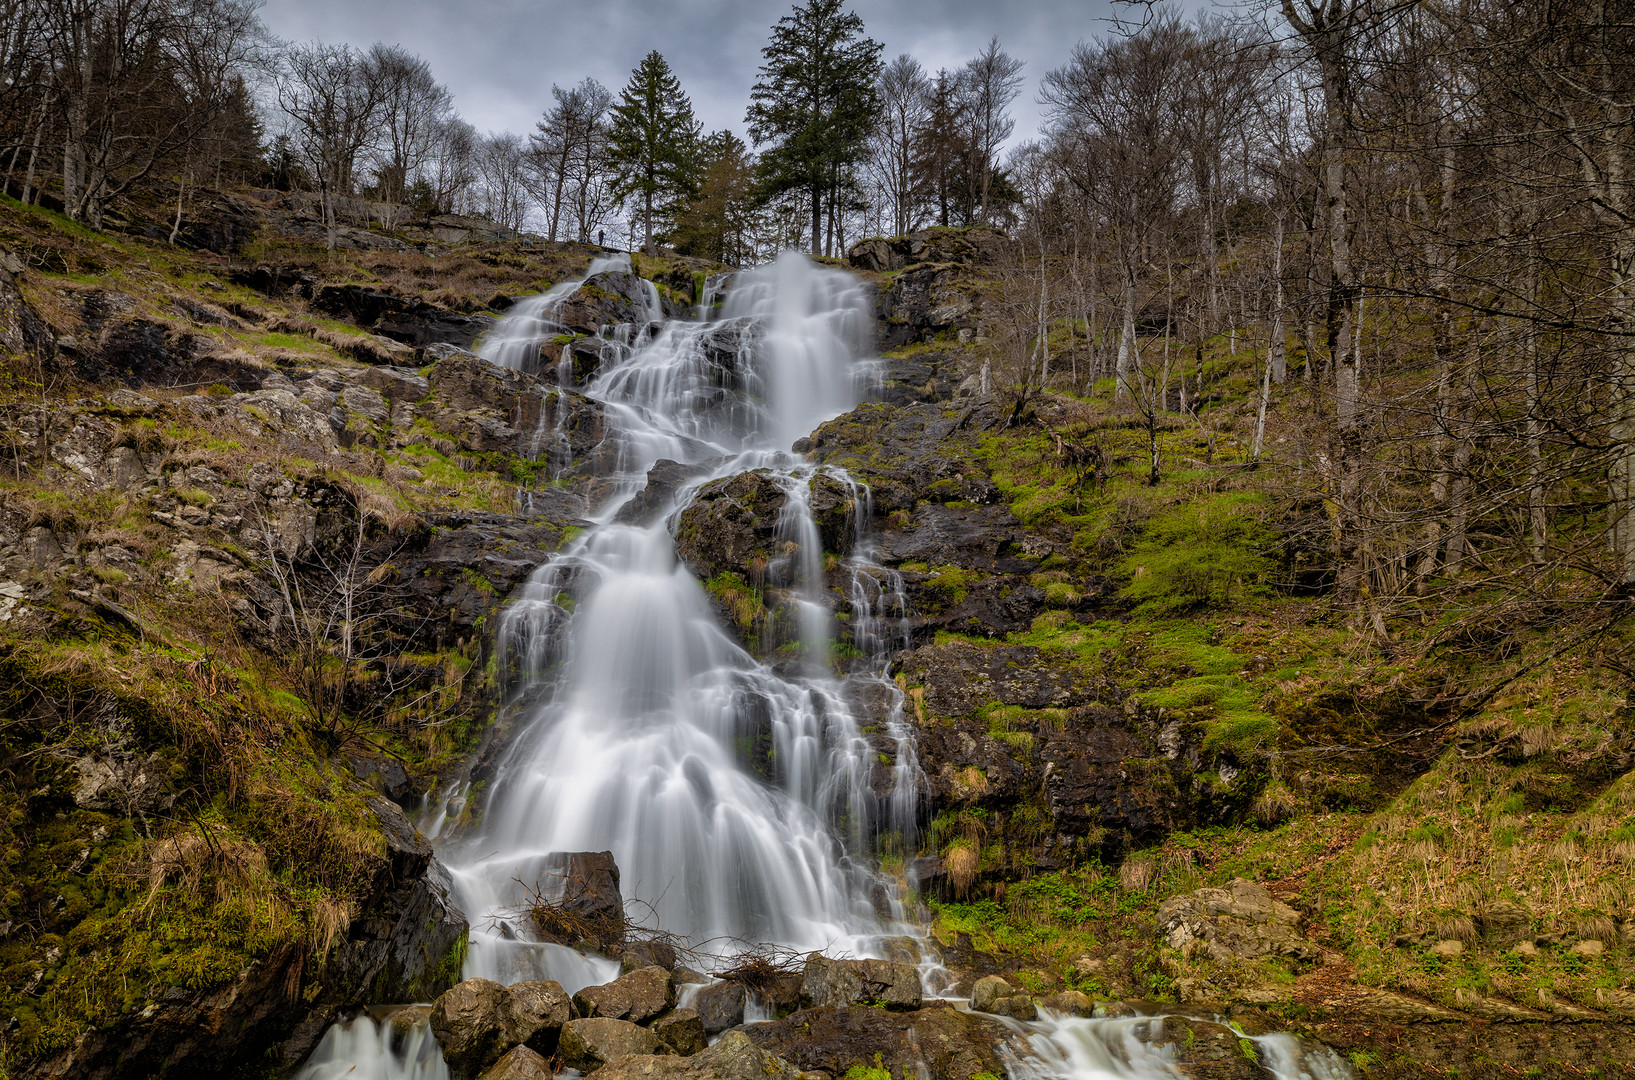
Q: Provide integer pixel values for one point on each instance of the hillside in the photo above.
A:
(262, 513)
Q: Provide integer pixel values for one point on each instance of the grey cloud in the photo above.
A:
(500, 57)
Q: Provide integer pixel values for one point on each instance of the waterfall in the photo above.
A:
(739, 796)
(647, 702)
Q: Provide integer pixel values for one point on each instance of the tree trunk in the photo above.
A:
(1621, 404)
(1265, 400)
(647, 223)
(1537, 535)
(1126, 342)
(1279, 354)
(817, 219)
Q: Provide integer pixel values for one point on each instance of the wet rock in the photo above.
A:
(664, 479)
(645, 954)
(1017, 1007)
(989, 990)
(637, 997)
(1240, 921)
(682, 1030)
(472, 1023)
(591, 1043)
(731, 524)
(610, 299)
(720, 1006)
(936, 1042)
(859, 982)
(520, 1063)
(1203, 1050)
(400, 951)
(591, 892)
(1069, 1003)
(733, 1057)
(479, 1020)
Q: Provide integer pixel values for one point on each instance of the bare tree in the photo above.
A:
(413, 109)
(334, 103)
(1113, 111)
(904, 89)
(502, 170)
(567, 155)
(992, 81)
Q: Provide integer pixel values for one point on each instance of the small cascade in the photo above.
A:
(1073, 1048)
(399, 1046)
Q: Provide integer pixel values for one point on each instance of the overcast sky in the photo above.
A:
(500, 57)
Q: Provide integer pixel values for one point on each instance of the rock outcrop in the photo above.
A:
(946, 1043)
(735, 1056)
(591, 1043)
(838, 983)
(479, 1021)
(1241, 921)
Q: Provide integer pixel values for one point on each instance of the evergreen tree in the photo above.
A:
(816, 102)
(717, 220)
(654, 141)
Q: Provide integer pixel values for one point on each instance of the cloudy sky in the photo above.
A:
(500, 57)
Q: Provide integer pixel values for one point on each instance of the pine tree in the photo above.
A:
(654, 141)
(816, 102)
(717, 220)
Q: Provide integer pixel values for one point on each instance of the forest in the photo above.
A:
(1422, 215)
(1163, 580)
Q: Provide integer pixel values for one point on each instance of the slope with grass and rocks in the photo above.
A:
(260, 507)
(1162, 765)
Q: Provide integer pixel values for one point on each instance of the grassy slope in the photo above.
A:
(1387, 842)
(267, 846)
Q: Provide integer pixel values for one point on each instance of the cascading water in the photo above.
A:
(644, 703)
(635, 748)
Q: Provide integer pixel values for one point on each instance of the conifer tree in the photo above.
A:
(816, 102)
(654, 141)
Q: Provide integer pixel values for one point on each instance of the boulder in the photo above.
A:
(732, 523)
(1069, 1003)
(720, 1006)
(734, 1057)
(682, 1030)
(591, 1043)
(520, 1063)
(479, 1020)
(936, 1042)
(837, 983)
(1203, 1050)
(645, 954)
(993, 994)
(1241, 921)
(636, 997)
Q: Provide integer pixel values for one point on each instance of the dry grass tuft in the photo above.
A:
(1137, 875)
